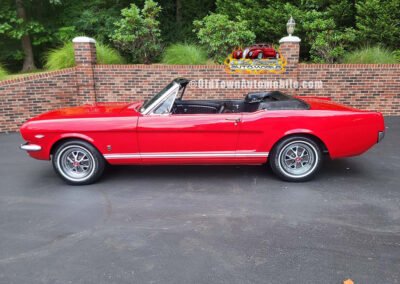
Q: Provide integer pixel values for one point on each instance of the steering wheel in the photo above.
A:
(221, 109)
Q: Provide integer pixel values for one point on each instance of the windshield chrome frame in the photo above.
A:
(162, 99)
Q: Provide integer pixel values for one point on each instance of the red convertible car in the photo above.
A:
(257, 51)
(292, 133)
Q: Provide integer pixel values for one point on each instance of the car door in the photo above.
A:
(188, 138)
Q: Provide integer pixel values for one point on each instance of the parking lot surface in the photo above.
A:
(202, 224)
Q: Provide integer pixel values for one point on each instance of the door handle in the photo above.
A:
(233, 119)
(236, 120)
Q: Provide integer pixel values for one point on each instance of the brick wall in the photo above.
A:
(27, 97)
(368, 87)
(364, 86)
(138, 82)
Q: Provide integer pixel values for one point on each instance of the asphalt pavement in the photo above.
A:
(202, 224)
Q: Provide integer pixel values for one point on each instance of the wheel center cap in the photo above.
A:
(298, 159)
(76, 164)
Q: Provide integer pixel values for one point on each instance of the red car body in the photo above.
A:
(125, 136)
(257, 51)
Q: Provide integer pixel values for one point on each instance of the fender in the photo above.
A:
(81, 136)
(297, 131)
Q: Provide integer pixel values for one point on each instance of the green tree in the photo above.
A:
(325, 28)
(266, 18)
(138, 32)
(17, 24)
(177, 16)
(221, 35)
(328, 42)
(378, 21)
(94, 18)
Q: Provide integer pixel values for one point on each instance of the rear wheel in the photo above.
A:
(296, 158)
(78, 162)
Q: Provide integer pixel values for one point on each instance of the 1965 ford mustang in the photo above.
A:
(291, 133)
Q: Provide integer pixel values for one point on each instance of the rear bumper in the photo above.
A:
(30, 147)
(381, 135)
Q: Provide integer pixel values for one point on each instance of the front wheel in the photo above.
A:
(296, 158)
(78, 162)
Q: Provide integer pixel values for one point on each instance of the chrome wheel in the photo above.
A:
(76, 163)
(297, 159)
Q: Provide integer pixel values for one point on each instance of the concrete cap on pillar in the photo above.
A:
(290, 38)
(83, 39)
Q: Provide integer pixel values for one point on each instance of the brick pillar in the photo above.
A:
(290, 49)
(85, 57)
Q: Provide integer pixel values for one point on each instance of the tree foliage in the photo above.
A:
(17, 26)
(329, 29)
(221, 35)
(328, 42)
(265, 18)
(378, 21)
(177, 16)
(138, 32)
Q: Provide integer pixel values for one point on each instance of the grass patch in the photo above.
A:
(3, 73)
(370, 55)
(20, 75)
(185, 54)
(64, 57)
(397, 55)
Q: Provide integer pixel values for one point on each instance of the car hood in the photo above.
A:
(92, 110)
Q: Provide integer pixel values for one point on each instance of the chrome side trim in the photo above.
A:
(187, 155)
(121, 156)
(30, 147)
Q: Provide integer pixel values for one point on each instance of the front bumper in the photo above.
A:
(381, 135)
(30, 147)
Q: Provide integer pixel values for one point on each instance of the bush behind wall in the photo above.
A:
(64, 56)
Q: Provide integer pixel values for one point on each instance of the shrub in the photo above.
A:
(138, 32)
(374, 55)
(220, 35)
(60, 58)
(328, 42)
(108, 55)
(185, 54)
(64, 57)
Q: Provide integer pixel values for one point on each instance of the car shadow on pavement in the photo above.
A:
(330, 168)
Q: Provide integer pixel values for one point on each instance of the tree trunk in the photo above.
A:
(29, 63)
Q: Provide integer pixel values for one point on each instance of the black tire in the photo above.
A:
(78, 162)
(303, 151)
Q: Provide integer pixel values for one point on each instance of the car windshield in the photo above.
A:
(156, 97)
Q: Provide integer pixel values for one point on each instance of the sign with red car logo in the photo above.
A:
(256, 59)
